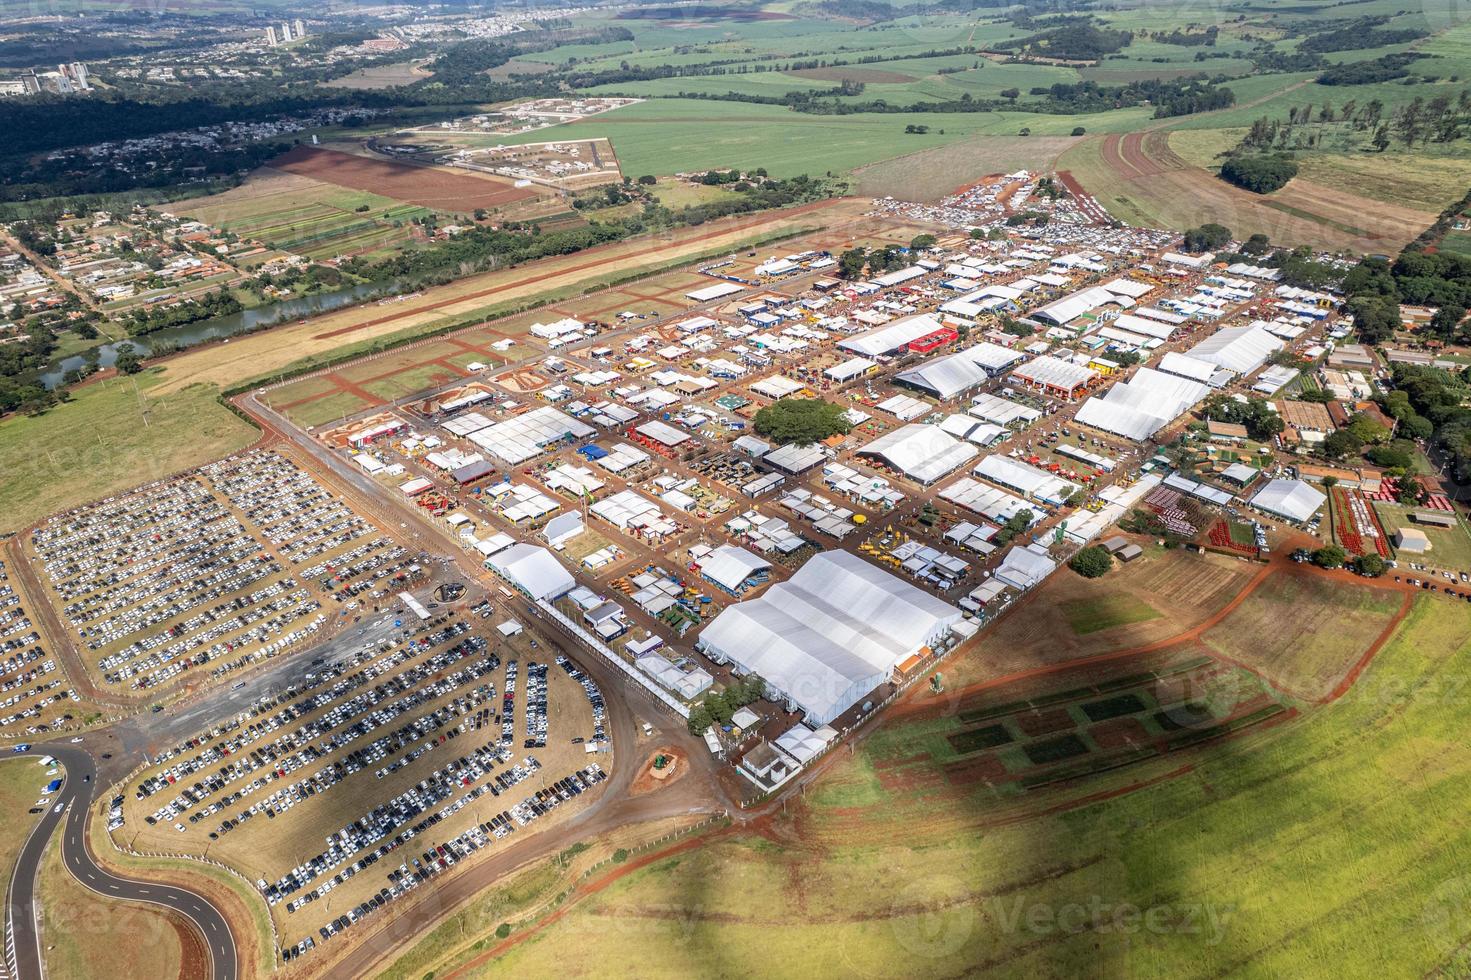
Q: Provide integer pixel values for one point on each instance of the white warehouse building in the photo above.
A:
(830, 634)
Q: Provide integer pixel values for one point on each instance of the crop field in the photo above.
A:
(1290, 845)
(405, 757)
(308, 217)
(1303, 631)
(254, 558)
(430, 187)
(663, 136)
(1140, 179)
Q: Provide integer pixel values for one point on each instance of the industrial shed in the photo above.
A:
(732, 568)
(924, 453)
(1026, 479)
(833, 632)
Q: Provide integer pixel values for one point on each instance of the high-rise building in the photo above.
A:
(271, 38)
(299, 27)
(286, 32)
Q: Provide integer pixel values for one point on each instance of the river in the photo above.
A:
(193, 334)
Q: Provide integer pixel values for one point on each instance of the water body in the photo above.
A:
(193, 334)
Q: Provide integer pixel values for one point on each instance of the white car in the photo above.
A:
(76, 740)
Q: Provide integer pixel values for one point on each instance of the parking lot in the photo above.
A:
(34, 694)
(210, 572)
(378, 770)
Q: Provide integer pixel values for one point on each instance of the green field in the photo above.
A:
(1448, 548)
(1339, 838)
(111, 435)
(669, 135)
(1105, 612)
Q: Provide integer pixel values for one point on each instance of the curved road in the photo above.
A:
(69, 806)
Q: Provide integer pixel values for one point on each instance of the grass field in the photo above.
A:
(663, 136)
(929, 175)
(1338, 838)
(1448, 548)
(1105, 612)
(1304, 632)
(112, 435)
(21, 782)
(308, 217)
(87, 935)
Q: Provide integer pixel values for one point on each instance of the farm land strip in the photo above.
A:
(1250, 887)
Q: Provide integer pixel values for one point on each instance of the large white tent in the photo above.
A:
(1240, 349)
(892, 336)
(946, 377)
(1141, 406)
(1292, 499)
(729, 567)
(924, 453)
(533, 570)
(831, 633)
(526, 436)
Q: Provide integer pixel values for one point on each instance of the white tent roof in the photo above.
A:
(729, 566)
(534, 570)
(1074, 305)
(949, 376)
(1187, 367)
(1143, 405)
(892, 336)
(1292, 499)
(1025, 567)
(924, 453)
(831, 633)
(1240, 349)
(1025, 478)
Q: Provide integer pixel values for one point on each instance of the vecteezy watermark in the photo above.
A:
(1098, 915)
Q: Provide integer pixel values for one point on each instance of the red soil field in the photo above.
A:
(426, 186)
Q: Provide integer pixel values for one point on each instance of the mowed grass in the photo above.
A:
(326, 408)
(112, 435)
(1449, 548)
(1107, 611)
(1304, 631)
(89, 935)
(21, 781)
(1339, 838)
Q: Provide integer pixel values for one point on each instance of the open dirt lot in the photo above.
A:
(429, 186)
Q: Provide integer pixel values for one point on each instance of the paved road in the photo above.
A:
(69, 811)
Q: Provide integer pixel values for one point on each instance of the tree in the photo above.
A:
(699, 719)
(851, 263)
(1092, 561)
(1369, 566)
(1341, 443)
(1079, 130)
(1412, 491)
(921, 242)
(128, 361)
(1208, 236)
(648, 180)
(1330, 556)
(801, 420)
